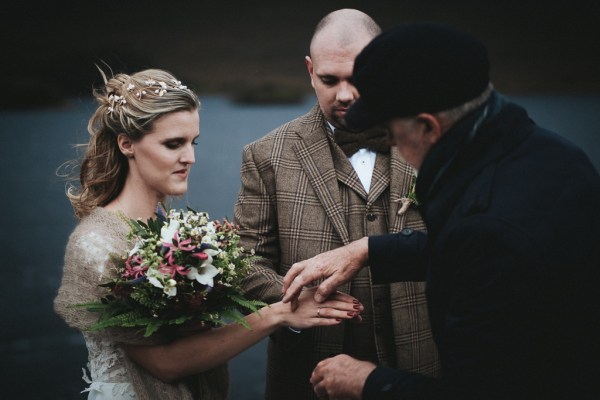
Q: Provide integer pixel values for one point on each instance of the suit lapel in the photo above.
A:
(346, 173)
(400, 182)
(380, 179)
(314, 154)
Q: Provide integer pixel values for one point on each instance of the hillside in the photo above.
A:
(254, 50)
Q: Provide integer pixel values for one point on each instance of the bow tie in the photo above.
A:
(374, 139)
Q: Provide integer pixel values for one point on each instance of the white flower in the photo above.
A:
(210, 227)
(168, 232)
(155, 282)
(204, 274)
(136, 249)
(171, 288)
(211, 253)
(130, 87)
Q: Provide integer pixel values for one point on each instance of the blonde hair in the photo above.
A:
(127, 105)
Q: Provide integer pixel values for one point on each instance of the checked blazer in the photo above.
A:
(300, 197)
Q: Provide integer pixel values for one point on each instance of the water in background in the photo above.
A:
(40, 357)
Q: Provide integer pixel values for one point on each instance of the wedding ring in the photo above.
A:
(319, 312)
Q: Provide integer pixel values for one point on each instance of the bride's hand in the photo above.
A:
(338, 307)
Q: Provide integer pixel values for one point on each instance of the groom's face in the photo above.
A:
(330, 68)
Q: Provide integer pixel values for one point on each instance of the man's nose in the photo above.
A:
(346, 92)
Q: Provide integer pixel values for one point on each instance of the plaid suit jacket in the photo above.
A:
(289, 209)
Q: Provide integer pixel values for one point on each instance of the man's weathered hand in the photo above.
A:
(340, 377)
(336, 267)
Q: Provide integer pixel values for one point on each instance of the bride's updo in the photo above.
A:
(127, 104)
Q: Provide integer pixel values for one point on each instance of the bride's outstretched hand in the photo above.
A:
(336, 308)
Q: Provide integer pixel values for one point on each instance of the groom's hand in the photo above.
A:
(335, 267)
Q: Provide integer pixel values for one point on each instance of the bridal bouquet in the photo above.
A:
(183, 267)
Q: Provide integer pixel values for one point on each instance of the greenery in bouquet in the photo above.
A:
(183, 268)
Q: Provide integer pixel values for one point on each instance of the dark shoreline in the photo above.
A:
(254, 53)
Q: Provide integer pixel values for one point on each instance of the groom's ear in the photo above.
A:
(309, 67)
(125, 145)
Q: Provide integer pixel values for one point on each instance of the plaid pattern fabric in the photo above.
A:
(299, 198)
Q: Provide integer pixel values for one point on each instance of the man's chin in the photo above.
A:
(338, 123)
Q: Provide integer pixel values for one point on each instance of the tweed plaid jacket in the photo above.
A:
(300, 197)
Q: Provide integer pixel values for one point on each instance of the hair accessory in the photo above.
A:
(115, 100)
(158, 87)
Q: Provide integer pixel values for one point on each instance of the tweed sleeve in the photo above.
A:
(255, 213)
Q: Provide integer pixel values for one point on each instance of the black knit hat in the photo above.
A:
(416, 68)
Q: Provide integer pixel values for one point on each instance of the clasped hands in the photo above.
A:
(339, 377)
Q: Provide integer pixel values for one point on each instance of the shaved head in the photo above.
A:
(344, 27)
(337, 40)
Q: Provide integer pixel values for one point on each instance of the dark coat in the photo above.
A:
(512, 263)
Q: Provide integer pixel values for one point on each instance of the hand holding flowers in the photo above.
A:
(183, 267)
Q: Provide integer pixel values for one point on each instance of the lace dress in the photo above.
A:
(109, 378)
(112, 375)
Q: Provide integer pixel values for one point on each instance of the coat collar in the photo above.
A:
(467, 151)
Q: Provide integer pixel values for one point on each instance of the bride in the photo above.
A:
(141, 150)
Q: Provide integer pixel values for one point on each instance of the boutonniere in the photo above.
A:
(409, 198)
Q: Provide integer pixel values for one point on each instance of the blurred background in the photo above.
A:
(246, 61)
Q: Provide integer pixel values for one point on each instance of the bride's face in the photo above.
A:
(162, 159)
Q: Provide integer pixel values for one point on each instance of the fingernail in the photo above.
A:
(357, 307)
(355, 301)
(351, 313)
(338, 319)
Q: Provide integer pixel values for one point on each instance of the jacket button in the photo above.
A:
(406, 231)
(371, 217)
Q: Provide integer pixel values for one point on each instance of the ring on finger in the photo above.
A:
(319, 312)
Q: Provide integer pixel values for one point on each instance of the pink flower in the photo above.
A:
(134, 268)
(185, 245)
(173, 269)
(200, 255)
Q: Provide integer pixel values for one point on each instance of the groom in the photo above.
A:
(308, 188)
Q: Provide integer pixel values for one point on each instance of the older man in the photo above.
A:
(511, 257)
(308, 187)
